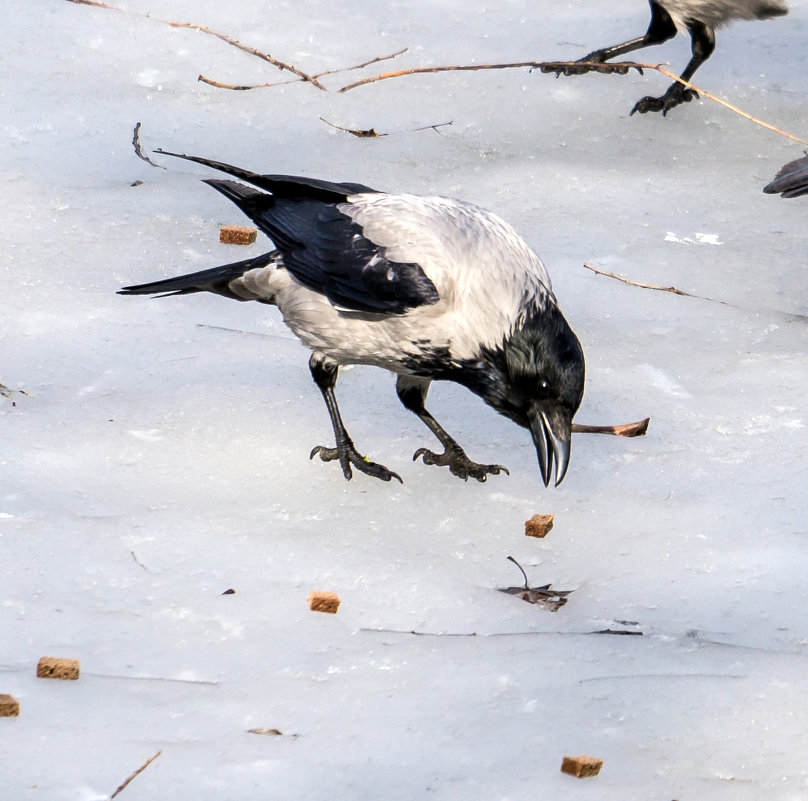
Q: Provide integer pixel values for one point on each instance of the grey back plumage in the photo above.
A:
(716, 13)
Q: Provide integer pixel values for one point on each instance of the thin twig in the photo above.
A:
(139, 151)
(416, 633)
(234, 87)
(136, 773)
(656, 287)
(318, 75)
(7, 393)
(434, 127)
(557, 67)
(522, 570)
(372, 133)
(364, 64)
(672, 289)
(638, 429)
(724, 103)
(281, 65)
(362, 133)
(620, 67)
(801, 318)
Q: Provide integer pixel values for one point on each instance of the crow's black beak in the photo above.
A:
(551, 428)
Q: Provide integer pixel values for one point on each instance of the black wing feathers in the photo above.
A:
(791, 180)
(327, 252)
(324, 249)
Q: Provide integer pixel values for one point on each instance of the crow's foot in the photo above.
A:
(347, 455)
(459, 464)
(594, 62)
(676, 95)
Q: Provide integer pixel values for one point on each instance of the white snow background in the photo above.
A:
(161, 455)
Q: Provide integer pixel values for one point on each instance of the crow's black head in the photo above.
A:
(539, 384)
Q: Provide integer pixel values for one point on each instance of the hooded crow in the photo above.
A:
(426, 287)
(699, 18)
(791, 180)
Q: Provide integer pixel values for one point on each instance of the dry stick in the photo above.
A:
(674, 291)
(243, 87)
(638, 429)
(364, 64)
(436, 126)
(281, 65)
(372, 133)
(656, 287)
(246, 87)
(363, 133)
(145, 764)
(7, 393)
(417, 633)
(724, 103)
(620, 67)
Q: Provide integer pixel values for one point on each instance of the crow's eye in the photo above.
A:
(543, 389)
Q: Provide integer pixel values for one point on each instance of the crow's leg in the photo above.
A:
(412, 393)
(324, 372)
(702, 39)
(660, 29)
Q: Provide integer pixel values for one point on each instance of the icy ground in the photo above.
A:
(160, 456)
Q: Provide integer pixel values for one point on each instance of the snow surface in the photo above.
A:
(161, 455)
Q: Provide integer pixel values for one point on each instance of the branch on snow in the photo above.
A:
(638, 429)
(618, 67)
(372, 133)
(417, 633)
(724, 103)
(575, 67)
(317, 76)
(150, 759)
(801, 318)
(281, 65)
(656, 287)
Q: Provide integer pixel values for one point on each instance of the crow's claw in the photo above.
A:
(591, 63)
(347, 456)
(676, 95)
(459, 464)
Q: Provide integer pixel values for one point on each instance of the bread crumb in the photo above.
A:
(54, 667)
(539, 525)
(581, 766)
(323, 602)
(237, 235)
(9, 706)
